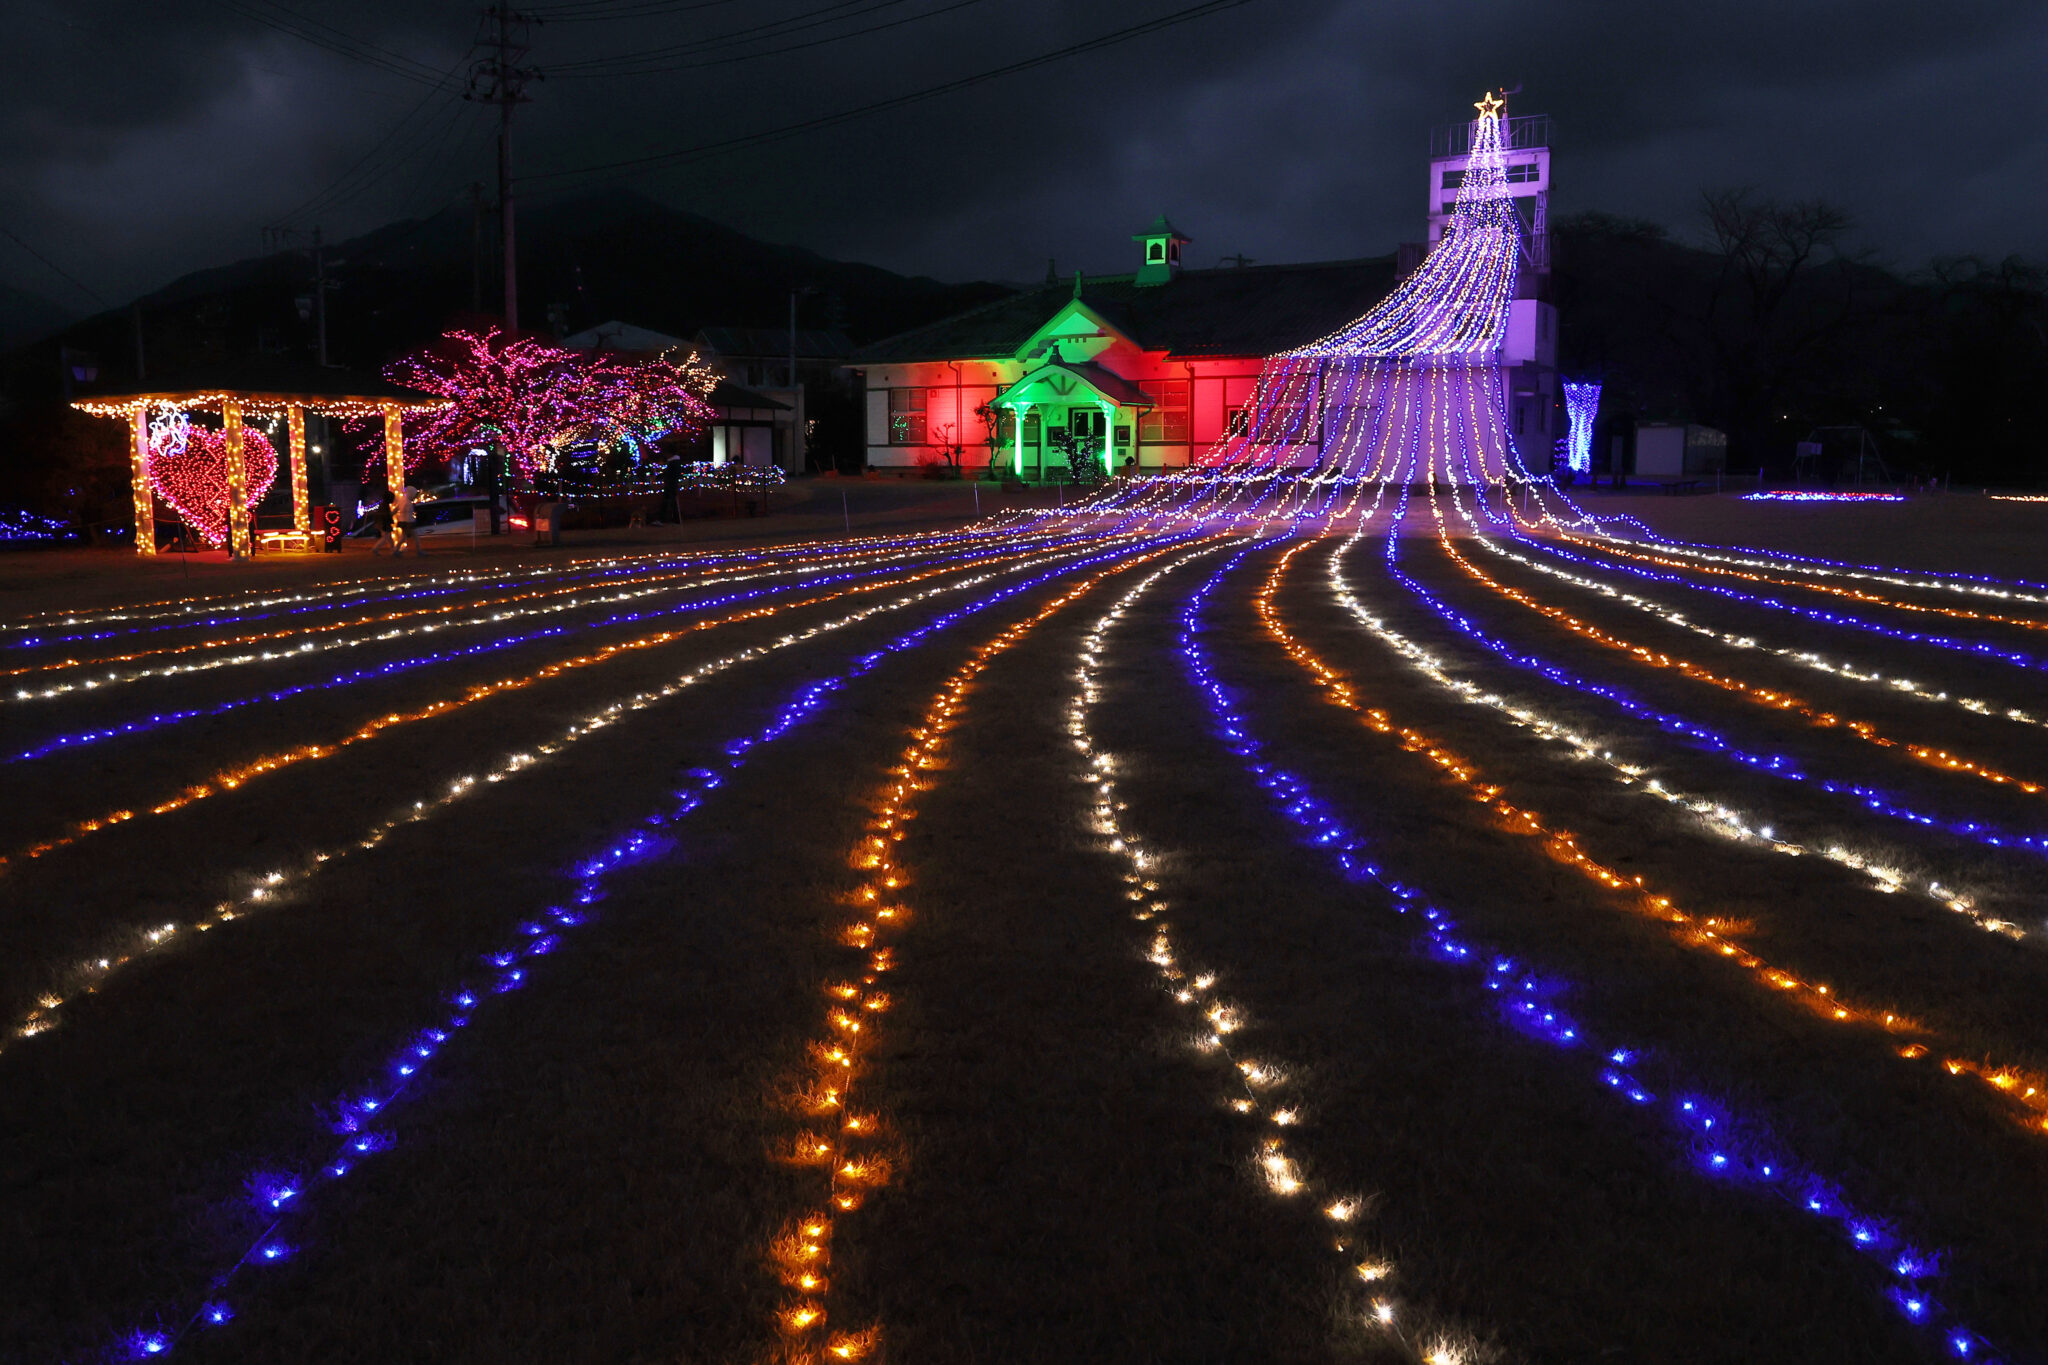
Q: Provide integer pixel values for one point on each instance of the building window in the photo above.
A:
(1006, 431)
(1450, 206)
(1524, 174)
(906, 417)
(1274, 424)
(1155, 250)
(1167, 422)
(1453, 179)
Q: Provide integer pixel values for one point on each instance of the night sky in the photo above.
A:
(146, 138)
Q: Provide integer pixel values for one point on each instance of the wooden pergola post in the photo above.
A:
(394, 449)
(320, 393)
(302, 515)
(240, 543)
(138, 480)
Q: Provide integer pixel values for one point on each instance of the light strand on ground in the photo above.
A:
(849, 1146)
(1369, 1273)
(268, 889)
(1721, 1145)
(232, 778)
(1701, 736)
(1981, 649)
(1891, 683)
(1717, 817)
(1788, 495)
(361, 1115)
(2026, 1092)
(1770, 698)
(581, 595)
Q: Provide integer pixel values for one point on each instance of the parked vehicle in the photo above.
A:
(436, 517)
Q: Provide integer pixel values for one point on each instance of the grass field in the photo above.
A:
(876, 934)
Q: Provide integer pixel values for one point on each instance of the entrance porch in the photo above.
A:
(1071, 415)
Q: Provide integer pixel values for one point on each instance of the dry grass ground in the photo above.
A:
(585, 1173)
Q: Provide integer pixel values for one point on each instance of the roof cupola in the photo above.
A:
(1162, 252)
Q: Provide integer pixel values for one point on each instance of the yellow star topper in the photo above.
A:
(1489, 106)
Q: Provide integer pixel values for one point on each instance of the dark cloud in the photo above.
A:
(141, 139)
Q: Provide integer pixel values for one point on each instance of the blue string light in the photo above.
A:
(1720, 1144)
(1839, 620)
(163, 720)
(357, 1116)
(372, 593)
(1700, 736)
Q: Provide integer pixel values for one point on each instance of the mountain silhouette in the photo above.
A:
(582, 260)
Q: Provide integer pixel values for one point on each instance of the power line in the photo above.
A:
(343, 187)
(826, 14)
(456, 142)
(338, 40)
(627, 67)
(500, 79)
(331, 40)
(632, 165)
(59, 270)
(592, 10)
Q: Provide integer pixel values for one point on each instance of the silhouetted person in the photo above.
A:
(671, 491)
(405, 520)
(381, 518)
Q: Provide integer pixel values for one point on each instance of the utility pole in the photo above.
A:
(796, 395)
(285, 238)
(320, 296)
(476, 246)
(500, 79)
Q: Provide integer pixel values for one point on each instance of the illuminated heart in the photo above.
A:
(194, 479)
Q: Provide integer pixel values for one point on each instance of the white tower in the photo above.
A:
(1529, 357)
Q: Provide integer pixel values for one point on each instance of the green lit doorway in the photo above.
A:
(1086, 427)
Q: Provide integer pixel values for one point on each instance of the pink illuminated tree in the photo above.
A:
(530, 398)
(638, 401)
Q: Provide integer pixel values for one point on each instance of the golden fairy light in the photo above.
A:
(855, 1157)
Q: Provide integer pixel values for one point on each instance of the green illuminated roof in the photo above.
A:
(1161, 228)
(1249, 311)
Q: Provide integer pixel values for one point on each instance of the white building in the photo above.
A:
(747, 427)
(1530, 353)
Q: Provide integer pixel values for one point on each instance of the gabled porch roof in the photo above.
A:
(1072, 381)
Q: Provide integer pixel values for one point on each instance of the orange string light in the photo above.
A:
(1854, 594)
(1708, 934)
(229, 779)
(641, 584)
(1767, 697)
(385, 618)
(855, 1148)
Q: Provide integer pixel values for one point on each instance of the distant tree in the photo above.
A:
(1982, 361)
(60, 462)
(1780, 291)
(945, 452)
(1766, 326)
(991, 418)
